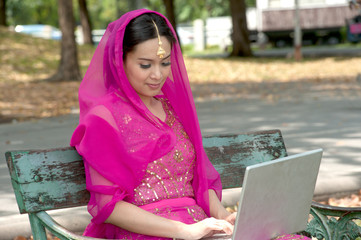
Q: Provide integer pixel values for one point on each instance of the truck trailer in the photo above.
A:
(322, 21)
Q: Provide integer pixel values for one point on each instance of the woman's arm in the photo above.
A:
(217, 210)
(132, 218)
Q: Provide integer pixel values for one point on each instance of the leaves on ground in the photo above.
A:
(27, 61)
(352, 200)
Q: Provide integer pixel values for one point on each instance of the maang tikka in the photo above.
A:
(160, 51)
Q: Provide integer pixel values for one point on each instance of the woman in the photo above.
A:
(146, 169)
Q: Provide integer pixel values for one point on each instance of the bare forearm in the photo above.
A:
(135, 219)
(217, 210)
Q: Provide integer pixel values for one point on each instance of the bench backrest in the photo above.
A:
(55, 179)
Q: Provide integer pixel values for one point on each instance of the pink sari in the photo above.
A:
(118, 136)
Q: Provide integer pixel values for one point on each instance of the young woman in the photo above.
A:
(146, 169)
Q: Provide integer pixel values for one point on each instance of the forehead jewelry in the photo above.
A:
(160, 51)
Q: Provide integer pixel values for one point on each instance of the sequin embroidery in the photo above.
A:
(170, 176)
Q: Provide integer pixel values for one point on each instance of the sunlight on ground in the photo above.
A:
(24, 58)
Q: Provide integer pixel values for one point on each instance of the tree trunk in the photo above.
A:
(3, 13)
(69, 68)
(169, 8)
(240, 34)
(85, 22)
(135, 4)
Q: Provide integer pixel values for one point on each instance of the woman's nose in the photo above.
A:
(156, 73)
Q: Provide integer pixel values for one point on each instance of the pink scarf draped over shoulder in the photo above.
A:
(118, 136)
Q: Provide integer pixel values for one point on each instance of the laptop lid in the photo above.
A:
(276, 196)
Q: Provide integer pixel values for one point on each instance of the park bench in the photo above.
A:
(54, 179)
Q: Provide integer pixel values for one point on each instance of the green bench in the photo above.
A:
(54, 179)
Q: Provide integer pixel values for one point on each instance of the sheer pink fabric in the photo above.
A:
(118, 136)
(165, 189)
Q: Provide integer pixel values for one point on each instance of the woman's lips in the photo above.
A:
(154, 86)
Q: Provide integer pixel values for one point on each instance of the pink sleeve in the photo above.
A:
(110, 176)
(213, 178)
(103, 195)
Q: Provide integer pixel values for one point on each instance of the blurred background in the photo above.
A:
(200, 24)
(43, 41)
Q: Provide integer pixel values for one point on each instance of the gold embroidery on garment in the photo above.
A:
(172, 178)
(140, 194)
(160, 180)
(178, 156)
(191, 213)
(171, 175)
(170, 117)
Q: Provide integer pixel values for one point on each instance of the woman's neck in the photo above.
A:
(149, 102)
(155, 107)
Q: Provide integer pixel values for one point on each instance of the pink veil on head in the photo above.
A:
(118, 136)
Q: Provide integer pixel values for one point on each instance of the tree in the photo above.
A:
(3, 13)
(85, 22)
(30, 12)
(169, 8)
(135, 4)
(240, 34)
(69, 68)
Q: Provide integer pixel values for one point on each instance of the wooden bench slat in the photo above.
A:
(55, 178)
(46, 165)
(231, 154)
(47, 179)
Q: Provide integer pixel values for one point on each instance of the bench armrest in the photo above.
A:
(59, 231)
(331, 222)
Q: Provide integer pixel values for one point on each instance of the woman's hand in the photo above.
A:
(207, 228)
(218, 210)
(231, 218)
(134, 219)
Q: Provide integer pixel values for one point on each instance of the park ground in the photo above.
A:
(26, 62)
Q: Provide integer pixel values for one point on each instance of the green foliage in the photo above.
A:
(32, 12)
(156, 5)
(250, 3)
(105, 11)
(189, 10)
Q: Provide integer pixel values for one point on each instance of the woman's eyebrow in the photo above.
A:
(146, 59)
(150, 60)
(166, 57)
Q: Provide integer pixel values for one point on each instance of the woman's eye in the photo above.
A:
(144, 66)
(165, 64)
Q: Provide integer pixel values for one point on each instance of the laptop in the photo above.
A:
(276, 197)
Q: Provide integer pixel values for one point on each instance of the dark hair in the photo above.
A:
(142, 28)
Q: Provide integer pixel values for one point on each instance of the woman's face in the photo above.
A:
(145, 70)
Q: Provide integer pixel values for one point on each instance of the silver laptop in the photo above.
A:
(276, 197)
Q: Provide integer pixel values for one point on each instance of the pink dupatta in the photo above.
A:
(118, 136)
